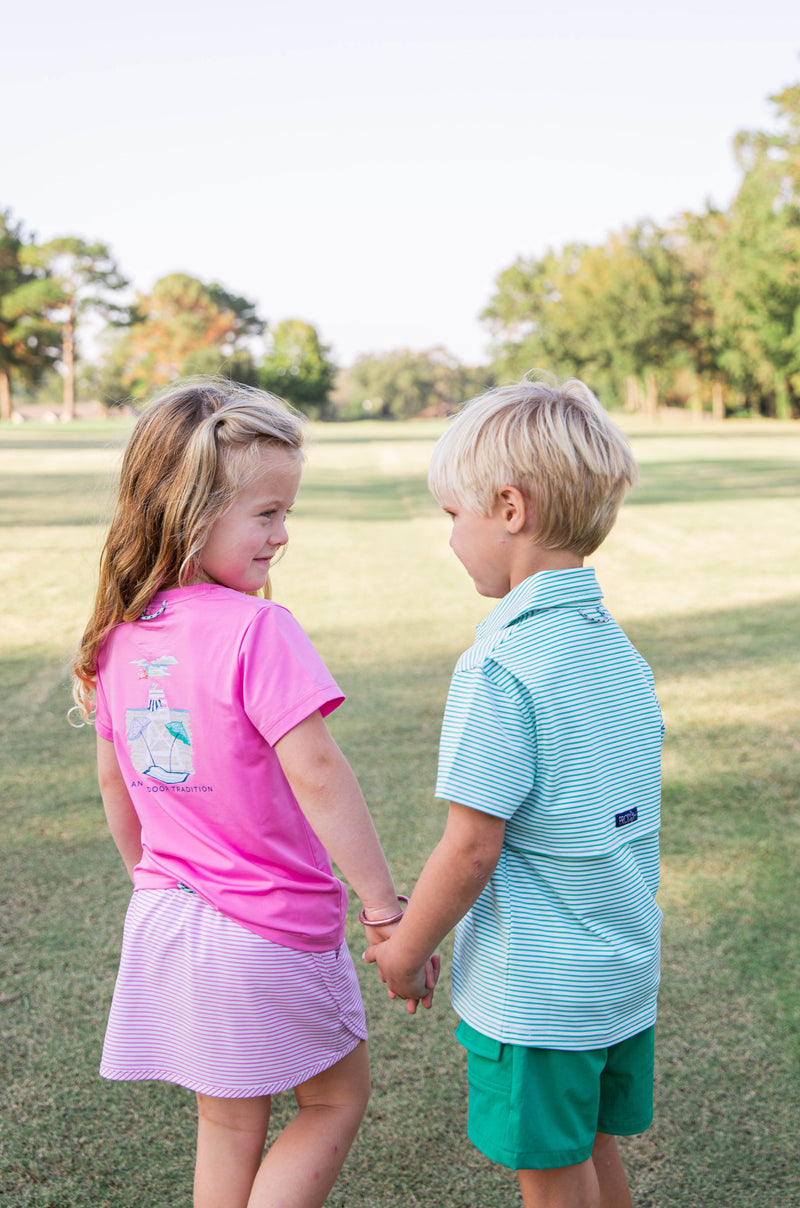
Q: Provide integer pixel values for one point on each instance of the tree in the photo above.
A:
(86, 278)
(29, 340)
(184, 326)
(607, 314)
(297, 366)
(402, 384)
(754, 282)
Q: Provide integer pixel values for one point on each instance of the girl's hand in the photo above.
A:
(381, 924)
(379, 935)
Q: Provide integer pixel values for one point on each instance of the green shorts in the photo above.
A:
(536, 1109)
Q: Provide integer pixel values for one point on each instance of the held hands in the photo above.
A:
(415, 988)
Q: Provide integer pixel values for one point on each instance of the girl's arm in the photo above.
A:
(328, 794)
(122, 819)
(455, 875)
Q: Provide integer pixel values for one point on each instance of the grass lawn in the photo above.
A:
(702, 570)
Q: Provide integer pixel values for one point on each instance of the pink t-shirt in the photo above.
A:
(194, 699)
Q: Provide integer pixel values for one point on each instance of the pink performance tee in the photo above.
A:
(194, 696)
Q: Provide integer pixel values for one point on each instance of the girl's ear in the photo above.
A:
(514, 508)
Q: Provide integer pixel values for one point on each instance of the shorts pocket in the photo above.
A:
(485, 1066)
(477, 1043)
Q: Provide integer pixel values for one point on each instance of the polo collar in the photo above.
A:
(573, 588)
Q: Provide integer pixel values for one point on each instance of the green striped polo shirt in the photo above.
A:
(552, 723)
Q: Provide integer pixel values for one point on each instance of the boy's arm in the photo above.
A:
(456, 873)
(123, 821)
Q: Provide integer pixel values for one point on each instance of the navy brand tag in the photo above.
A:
(626, 816)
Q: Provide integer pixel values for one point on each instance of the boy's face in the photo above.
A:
(484, 547)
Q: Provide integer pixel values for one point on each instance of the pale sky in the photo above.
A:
(368, 167)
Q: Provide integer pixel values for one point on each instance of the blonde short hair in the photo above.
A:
(555, 443)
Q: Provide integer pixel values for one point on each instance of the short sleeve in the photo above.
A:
(102, 714)
(284, 680)
(487, 754)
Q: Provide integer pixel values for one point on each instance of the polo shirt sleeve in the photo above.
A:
(284, 680)
(102, 714)
(487, 753)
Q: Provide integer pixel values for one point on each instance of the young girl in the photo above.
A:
(224, 793)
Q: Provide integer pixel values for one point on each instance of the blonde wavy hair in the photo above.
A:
(189, 455)
(555, 443)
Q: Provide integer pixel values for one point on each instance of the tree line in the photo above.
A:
(702, 313)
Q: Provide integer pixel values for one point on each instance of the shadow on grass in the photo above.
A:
(702, 643)
(697, 481)
(71, 439)
(55, 500)
(328, 495)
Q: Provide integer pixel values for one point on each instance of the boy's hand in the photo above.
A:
(414, 987)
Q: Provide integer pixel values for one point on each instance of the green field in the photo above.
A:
(702, 570)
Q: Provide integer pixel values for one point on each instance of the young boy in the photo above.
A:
(550, 759)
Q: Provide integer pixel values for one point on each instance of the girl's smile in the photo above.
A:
(243, 541)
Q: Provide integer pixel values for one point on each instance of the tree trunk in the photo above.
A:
(632, 394)
(5, 394)
(68, 361)
(783, 406)
(717, 401)
(651, 396)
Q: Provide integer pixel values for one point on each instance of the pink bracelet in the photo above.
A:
(362, 918)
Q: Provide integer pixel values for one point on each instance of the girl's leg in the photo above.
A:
(231, 1134)
(304, 1161)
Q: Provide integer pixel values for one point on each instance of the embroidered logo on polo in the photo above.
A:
(598, 615)
(626, 816)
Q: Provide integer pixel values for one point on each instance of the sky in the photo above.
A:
(371, 168)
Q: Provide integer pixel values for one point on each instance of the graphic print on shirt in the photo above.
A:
(159, 737)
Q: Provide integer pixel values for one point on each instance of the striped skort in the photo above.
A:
(201, 1001)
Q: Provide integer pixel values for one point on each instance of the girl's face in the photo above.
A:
(244, 540)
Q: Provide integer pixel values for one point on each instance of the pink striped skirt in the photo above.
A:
(201, 1001)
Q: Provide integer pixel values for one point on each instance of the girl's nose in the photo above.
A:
(279, 536)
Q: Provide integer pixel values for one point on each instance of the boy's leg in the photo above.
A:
(562, 1187)
(597, 1183)
(231, 1134)
(304, 1161)
(610, 1173)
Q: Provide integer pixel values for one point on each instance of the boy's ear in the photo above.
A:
(515, 508)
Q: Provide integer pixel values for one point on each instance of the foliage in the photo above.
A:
(83, 277)
(298, 367)
(708, 307)
(29, 339)
(702, 312)
(401, 384)
(604, 314)
(183, 326)
(754, 284)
